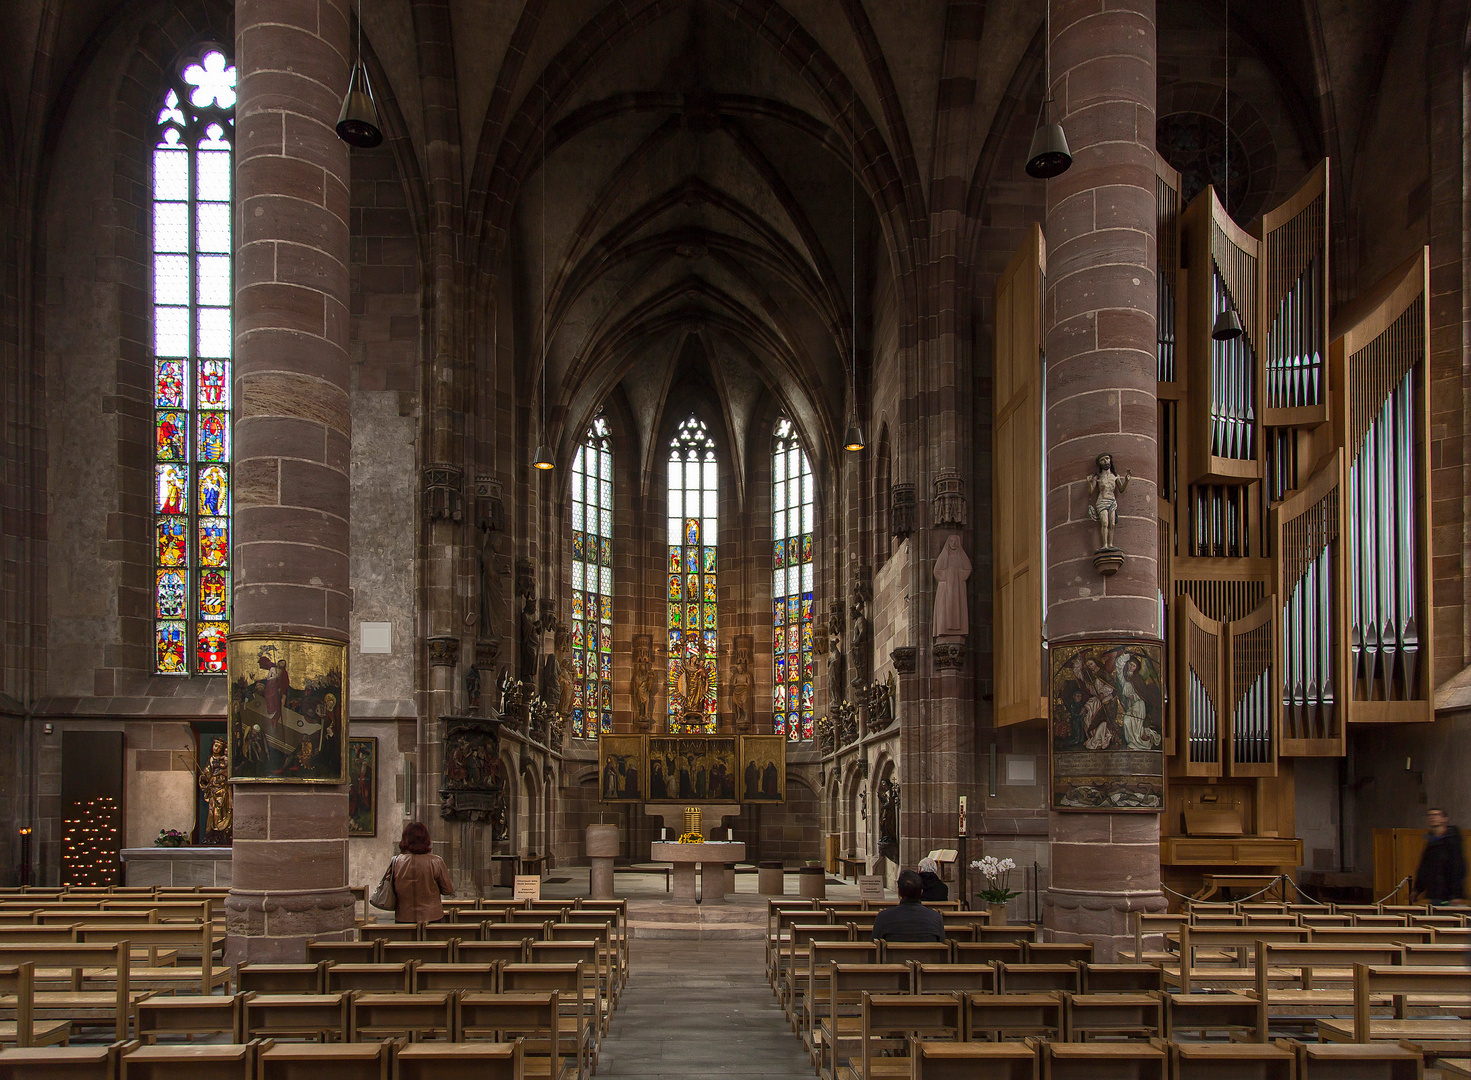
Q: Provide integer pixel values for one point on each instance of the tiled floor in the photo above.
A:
(696, 1008)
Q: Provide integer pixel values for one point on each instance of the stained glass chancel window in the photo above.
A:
(693, 496)
(791, 590)
(592, 583)
(193, 340)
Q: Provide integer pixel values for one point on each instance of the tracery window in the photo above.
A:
(693, 494)
(193, 339)
(791, 591)
(592, 583)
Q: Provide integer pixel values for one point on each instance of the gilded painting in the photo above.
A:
(763, 768)
(622, 771)
(1107, 717)
(287, 699)
(692, 768)
(362, 787)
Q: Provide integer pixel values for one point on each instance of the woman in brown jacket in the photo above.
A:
(419, 878)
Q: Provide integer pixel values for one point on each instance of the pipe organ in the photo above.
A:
(1293, 509)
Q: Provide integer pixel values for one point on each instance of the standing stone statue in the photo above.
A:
(694, 682)
(952, 610)
(563, 649)
(1106, 486)
(642, 687)
(214, 781)
(530, 640)
(888, 793)
(837, 689)
(742, 686)
(858, 644)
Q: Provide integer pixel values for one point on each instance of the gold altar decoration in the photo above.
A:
(692, 818)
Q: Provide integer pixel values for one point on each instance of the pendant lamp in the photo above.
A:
(357, 123)
(1049, 155)
(543, 459)
(853, 440)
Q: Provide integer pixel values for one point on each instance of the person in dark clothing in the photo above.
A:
(909, 920)
(1441, 874)
(934, 888)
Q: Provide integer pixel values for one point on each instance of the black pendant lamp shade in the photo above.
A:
(543, 459)
(1228, 326)
(357, 124)
(853, 440)
(1049, 155)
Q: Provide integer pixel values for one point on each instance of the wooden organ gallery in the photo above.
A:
(1293, 515)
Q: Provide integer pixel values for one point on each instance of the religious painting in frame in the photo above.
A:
(622, 770)
(1107, 725)
(287, 698)
(763, 775)
(362, 786)
(692, 768)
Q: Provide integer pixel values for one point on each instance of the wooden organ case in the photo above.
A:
(1294, 525)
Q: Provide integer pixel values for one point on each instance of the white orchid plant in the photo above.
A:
(998, 873)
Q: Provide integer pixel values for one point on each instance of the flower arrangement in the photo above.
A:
(691, 838)
(998, 873)
(170, 838)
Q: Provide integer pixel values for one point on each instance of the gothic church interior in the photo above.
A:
(701, 403)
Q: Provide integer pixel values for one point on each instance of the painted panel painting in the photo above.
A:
(692, 768)
(1107, 717)
(286, 709)
(622, 772)
(362, 787)
(763, 768)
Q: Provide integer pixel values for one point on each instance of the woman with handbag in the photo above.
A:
(417, 879)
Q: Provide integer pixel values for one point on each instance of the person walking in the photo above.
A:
(934, 888)
(420, 878)
(909, 920)
(1441, 875)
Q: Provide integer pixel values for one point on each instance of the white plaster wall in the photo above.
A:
(367, 856)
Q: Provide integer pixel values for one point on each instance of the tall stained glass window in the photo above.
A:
(592, 583)
(693, 495)
(791, 590)
(192, 337)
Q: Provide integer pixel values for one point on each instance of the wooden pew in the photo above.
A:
(377, 978)
(1241, 940)
(317, 1016)
(1354, 1061)
(838, 1020)
(460, 1061)
(429, 1014)
(1054, 952)
(74, 966)
(1232, 1013)
(1231, 1061)
(804, 1008)
(1092, 1061)
(918, 952)
(987, 952)
(282, 978)
(997, 1017)
(483, 977)
(235, 1061)
(1035, 978)
(553, 1048)
(17, 992)
(907, 1016)
(490, 952)
(973, 1061)
(954, 978)
(331, 1061)
(188, 1014)
(345, 952)
(1373, 980)
(205, 979)
(61, 1062)
(391, 931)
(570, 982)
(422, 952)
(1137, 1016)
(1313, 963)
(1119, 978)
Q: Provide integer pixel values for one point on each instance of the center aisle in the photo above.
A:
(694, 1008)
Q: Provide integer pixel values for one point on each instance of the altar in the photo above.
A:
(685, 857)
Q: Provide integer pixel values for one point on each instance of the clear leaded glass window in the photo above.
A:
(193, 337)
(693, 495)
(791, 590)
(592, 583)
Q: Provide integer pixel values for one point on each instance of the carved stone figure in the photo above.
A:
(492, 583)
(214, 781)
(952, 609)
(563, 653)
(530, 639)
(1106, 486)
(742, 684)
(550, 686)
(837, 688)
(858, 643)
(642, 687)
(508, 697)
(472, 689)
(888, 793)
(694, 682)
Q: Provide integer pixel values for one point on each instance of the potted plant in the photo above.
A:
(997, 895)
(170, 838)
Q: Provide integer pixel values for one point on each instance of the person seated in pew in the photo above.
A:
(909, 920)
(934, 888)
(419, 877)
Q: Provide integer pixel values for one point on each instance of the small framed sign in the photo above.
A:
(870, 887)
(527, 887)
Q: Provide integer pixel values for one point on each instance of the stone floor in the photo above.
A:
(696, 1008)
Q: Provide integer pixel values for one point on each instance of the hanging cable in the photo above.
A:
(853, 438)
(543, 459)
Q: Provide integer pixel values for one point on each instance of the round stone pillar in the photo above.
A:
(292, 440)
(1101, 398)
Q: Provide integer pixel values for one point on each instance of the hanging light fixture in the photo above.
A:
(1049, 155)
(543, 459)
(1228, 324)
(357, 123)
(853, 437)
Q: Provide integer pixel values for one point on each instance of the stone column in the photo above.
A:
(1101, 390)
(292, 439)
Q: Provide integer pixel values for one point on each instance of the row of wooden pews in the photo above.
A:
(498, 989)
(1368, 994)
